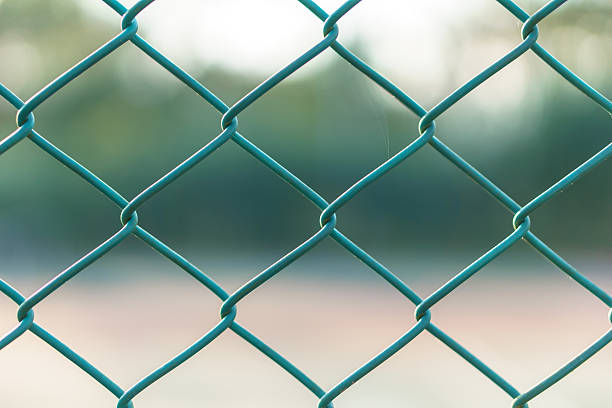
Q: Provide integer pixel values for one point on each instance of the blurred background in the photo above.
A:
(129, 121)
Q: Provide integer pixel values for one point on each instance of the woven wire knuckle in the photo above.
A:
(426, 132)
(132, 12)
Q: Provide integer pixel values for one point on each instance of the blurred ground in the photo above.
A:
(523, 318)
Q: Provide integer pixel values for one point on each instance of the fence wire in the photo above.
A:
(229, 134)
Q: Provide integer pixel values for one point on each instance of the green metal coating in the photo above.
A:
(328, 222)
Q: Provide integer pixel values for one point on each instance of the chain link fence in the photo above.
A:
(328, 223)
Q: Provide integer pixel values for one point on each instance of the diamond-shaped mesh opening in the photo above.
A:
(157, 310)
(412, 377)
(209, 223)
(349, 319)
(129, 122)
(424, 181)
(483, 314)
(242, 377)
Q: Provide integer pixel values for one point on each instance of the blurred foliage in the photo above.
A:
(130, 122)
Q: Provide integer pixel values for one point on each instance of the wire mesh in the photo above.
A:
(328, 223)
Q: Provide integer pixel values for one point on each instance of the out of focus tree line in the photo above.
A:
(130, 122)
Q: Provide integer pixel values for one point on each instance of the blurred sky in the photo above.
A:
(402, 39)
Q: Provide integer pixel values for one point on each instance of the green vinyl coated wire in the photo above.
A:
(427, 136)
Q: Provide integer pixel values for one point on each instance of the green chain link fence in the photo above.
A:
(229, 124)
